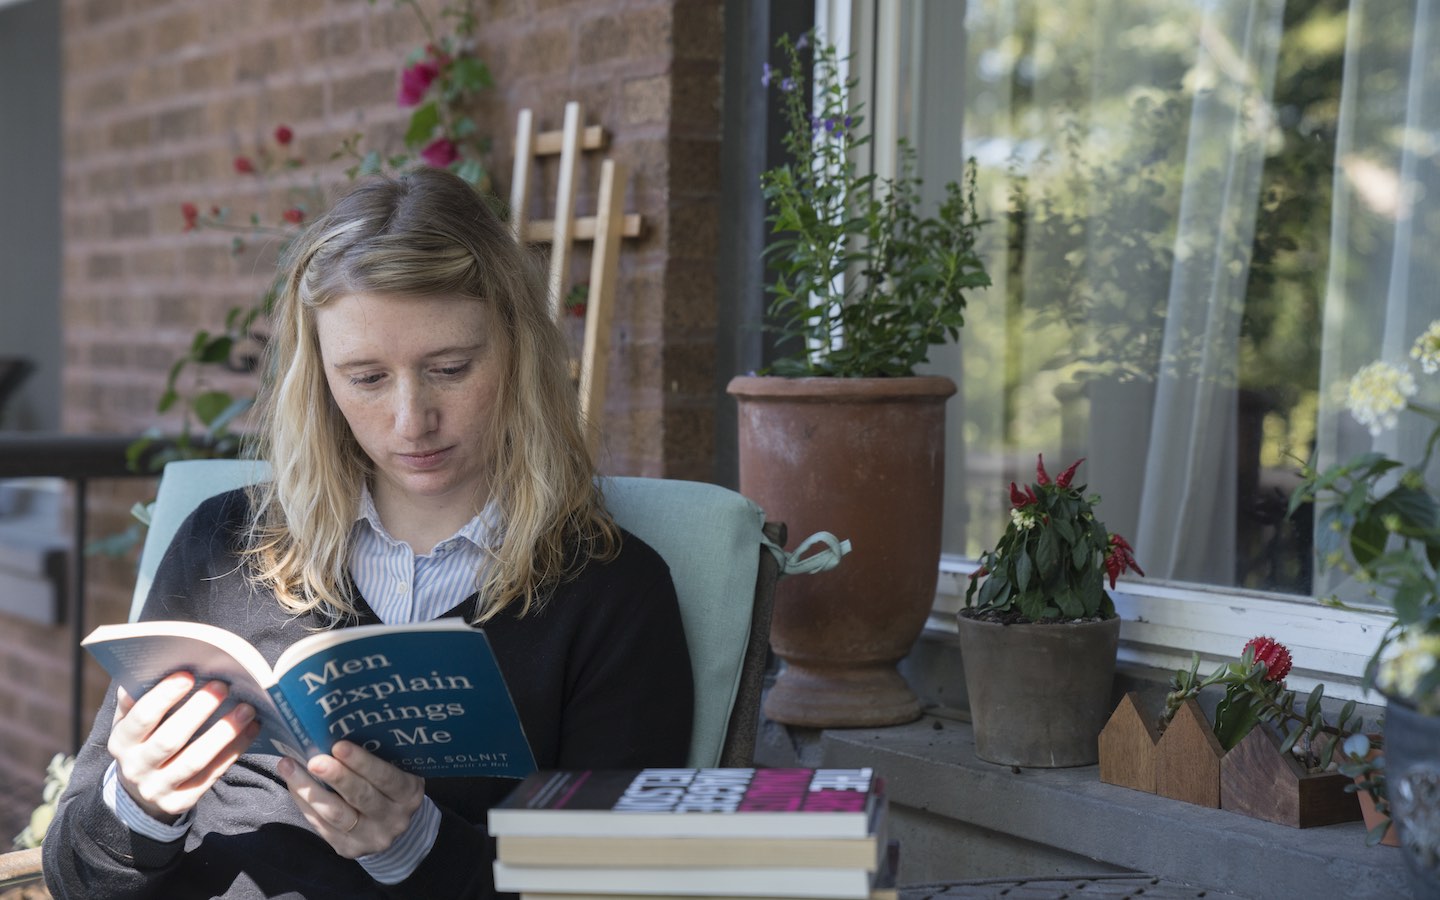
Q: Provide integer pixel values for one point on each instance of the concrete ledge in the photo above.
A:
(1048, 815)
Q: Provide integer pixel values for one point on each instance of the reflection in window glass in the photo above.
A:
(1202, 214)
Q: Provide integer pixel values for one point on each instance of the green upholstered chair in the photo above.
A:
(723, 563)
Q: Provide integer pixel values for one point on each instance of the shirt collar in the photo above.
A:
(480, 530)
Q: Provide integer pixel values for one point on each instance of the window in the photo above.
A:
(1205, 215)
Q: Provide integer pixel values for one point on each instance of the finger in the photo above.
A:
(185, 722)
(206, 770)
(147, 711)
(176, 786)
(387, 780)
(325, 808)
(215, 747)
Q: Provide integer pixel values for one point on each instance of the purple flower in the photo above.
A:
(765, 78)
(787, 85)
(803, 41)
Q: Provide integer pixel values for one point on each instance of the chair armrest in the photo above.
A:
(20, 867)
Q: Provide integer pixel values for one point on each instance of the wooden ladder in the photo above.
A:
(605, 229)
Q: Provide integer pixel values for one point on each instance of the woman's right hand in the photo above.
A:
(161, 762)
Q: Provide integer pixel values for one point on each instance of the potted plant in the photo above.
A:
(843, 436)
(1284, 761)
(1379, 521)
(1038, 631)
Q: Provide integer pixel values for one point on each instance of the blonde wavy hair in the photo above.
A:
(423, 234)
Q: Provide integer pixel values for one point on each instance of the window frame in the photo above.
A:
(1164, 623)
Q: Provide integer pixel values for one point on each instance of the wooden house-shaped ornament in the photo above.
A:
(1127, 747)
(1256, 779)
(1187, 759)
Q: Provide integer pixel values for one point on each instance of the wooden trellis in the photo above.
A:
(606, 229)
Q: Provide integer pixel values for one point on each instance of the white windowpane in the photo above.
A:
(1205, 215)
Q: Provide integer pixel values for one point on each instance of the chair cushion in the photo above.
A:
(183, 486)
(710, 537)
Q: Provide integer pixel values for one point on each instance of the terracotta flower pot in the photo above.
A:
(1039, 694)
(862, 458)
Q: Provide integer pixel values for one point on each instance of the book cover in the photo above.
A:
(748, 803)
(427, 697)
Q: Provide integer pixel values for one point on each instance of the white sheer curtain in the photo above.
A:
(1136, 162)
(1188, 500)
(1383, 287)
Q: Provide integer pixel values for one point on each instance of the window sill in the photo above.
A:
(949, 805)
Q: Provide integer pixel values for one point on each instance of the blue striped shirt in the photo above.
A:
(400, 586)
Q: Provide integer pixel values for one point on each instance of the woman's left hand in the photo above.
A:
(369, 807)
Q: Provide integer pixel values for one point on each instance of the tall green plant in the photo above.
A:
(865, 283)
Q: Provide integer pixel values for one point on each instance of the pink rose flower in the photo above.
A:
(440, 153)
(415, 81)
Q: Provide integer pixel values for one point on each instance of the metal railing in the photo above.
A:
(79, 459)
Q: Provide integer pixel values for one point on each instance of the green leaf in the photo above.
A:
(470, 74)
(423, 122)
(227, 415)
(1024, 570)
(209, 405)
(1047, 556)
(472, 171)
(1290, 739)
(1235, 715)
(1034, 606)
(1070, 605)
(1312, 705)
(370, 165)
(216, 350)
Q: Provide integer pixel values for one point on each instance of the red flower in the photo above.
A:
(243, 165)
(191, 214)
(440, 153)
(415, 81)
(1120, 557)
(283, 135)
(1069, 474)
(1042, 477)
(1273, 654)
(294, 215)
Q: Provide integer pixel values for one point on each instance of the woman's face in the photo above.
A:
(416, 379)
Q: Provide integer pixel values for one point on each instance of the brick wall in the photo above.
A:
(161, 95)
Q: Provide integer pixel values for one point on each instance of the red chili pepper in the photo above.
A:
(1069, 474)
(1022, 499)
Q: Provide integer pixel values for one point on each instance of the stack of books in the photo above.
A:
(712, 833)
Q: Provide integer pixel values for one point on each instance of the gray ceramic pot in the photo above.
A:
(1039, 694)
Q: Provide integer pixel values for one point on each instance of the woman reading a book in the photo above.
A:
(428, 461)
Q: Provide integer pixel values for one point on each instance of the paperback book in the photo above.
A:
(681, 803)
(428, 697)
(712, 882)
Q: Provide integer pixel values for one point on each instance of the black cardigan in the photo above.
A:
(601, 677)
